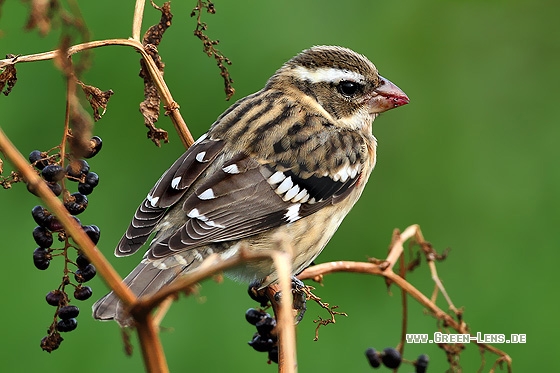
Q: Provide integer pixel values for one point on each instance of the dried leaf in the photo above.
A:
(96, 98)
(150, 107)
(41, 14)
(8, 76)
(209, 45)
(81, 127)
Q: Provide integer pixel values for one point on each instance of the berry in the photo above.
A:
(85, 274)
(95, 146)
(261, 344)
(82, 261)
(77, 168)
(41, 216)
(51, 342)
(82, 292)
(92, 179)
(93, 232)
(67, 325)
(76, 204)
(55, 298)
(373, 357)
(265, 326)
(421, 363)
(253, 291)
(55, 225)
(273, 354)
(253, 316)
(42, 236)
(85, 189)
(68, 312)
(52, 173)
(56, 188)
(37, 157)
(41, 258)
(391, 358)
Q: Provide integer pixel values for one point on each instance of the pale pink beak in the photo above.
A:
(387, 96)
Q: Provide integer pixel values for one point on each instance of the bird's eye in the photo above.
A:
(348, 88)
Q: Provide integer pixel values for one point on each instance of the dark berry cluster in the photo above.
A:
(391, 358)
(49, 227)
(265, 339)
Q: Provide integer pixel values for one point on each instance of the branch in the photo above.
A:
(171, 107)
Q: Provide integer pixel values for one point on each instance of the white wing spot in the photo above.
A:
(291, 193)
(302, 196)
(285, 185)
(276, 178)
(160, 265)
(200, 156)
(293, 213)
(201, 138)
(198, 256)
(180, 259)
(231, 169)
(195, 214)
(212, 223)
(153, 200)
(175, 182)
(207, 194)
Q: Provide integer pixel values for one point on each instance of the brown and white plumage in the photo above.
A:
(294, 156)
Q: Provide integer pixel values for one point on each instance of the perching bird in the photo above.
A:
(295, 156)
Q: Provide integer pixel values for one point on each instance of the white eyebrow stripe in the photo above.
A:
(327, 74)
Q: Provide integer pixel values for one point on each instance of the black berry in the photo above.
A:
(85, 274)
(93, 232)
(51, 342)
(391, 358)
(76, 204)
(55, 298)
(53, 173)
(421, 364)
(253, 316)
(77, 168)
(41, 216)
(265, 326)
(373, 358)
(41, 258)
(68, 312)
(273, 354)
(37, 157)
(56, 188)
(42, 236)
(82, 293)
(257, 296)
(261, 344)
(95, 146)
(85, 189)
(66, 325)
(82, 261)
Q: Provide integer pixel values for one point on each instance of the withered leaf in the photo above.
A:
(41, 14)
(151, 105)
(81, 126)
(209, 45)
(8, 76)
(96, 98)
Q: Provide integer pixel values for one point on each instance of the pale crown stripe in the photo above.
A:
(326, 74)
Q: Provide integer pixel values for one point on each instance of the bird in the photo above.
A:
(293, 157)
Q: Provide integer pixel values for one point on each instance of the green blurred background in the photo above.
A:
(473, 159)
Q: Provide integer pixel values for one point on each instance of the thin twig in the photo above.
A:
(171, 107)
(137, 19)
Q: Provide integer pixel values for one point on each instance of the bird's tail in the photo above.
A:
(145, 279)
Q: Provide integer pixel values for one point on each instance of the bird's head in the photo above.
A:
(346, 84)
